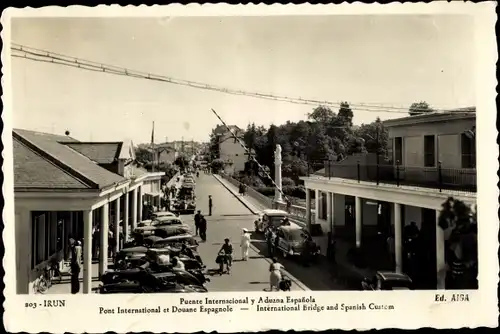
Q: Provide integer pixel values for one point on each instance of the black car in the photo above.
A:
(145, 281)
(387, 280)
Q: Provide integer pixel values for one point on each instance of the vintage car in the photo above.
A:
(291, 241)
(192, 264)
(270, 217)
(163, 214)
(167, 220)
(143, 280)
(160, 222)
(130, 257)
(387, 280)
(172, 231)
(177, 241)
(154, 253)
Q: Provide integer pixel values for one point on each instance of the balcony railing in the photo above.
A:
(425, 177)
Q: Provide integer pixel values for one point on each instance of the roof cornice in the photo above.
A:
(422, 119)
(55, 161)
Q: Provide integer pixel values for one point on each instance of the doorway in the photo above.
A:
(427, 263)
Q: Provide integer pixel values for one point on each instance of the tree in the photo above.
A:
(346, 114)
(321, 114)
(217, 165)
(375, 137)
(143, 155)
(459, 224)
(419, 108)
(181, 161)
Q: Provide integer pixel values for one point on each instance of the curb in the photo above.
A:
(255, 249)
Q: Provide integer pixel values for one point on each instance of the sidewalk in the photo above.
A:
(327, 276)
(65, 286)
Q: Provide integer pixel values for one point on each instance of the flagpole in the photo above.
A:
(153, 147)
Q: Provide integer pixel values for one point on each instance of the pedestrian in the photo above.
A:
(210, 205)
(76, 253)
(288, 205)
(197, 218)
(269, 240)
(275, 275)
(202, 227)
(245, 244)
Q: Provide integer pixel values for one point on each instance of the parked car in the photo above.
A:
(270, 217)
(130, 257)
(163, 214)
(177, 241)
(145, 281)
(292, 240)
(387, 280)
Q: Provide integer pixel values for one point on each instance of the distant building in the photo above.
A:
(230, 150)
(433, 158)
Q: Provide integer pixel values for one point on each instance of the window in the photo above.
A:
(430, 151)
(398, 150)
(468, 144)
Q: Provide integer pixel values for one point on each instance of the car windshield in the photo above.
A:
(276, 220)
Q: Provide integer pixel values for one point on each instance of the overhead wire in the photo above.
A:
(40, 55)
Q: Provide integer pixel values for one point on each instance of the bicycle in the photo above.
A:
(224, 259)
(47, 278)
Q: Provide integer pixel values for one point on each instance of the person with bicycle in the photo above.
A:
(226, 256)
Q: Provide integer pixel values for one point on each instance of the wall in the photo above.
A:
(449, 150)
(23, 254)
(448, 141)
(229, 150)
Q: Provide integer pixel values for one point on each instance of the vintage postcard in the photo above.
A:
(245, 168)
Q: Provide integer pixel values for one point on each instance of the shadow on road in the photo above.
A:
(317, 277)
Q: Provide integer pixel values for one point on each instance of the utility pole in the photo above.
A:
(182, 145)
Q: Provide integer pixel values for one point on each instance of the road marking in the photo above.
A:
(251, 208)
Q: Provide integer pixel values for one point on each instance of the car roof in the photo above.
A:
(181, 236)
(274, 212)
(137, 249)
(164, 214)
(393, 276)
(164, 218)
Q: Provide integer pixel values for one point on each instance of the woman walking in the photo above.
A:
(275, 275)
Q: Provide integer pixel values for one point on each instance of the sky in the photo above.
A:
(393, 60)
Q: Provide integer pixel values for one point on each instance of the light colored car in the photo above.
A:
(270, 217)
(163, 214)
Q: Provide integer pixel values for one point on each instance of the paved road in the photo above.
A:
(318, 277)
(228, 219)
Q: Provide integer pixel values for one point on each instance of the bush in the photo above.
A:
(296, 191)
(287, 182)
(266, 191)
(217, 165)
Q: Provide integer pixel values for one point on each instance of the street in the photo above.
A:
(228, 219)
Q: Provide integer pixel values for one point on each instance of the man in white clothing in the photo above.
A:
(245, 244)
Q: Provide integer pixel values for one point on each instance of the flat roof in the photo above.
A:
(463, 113)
